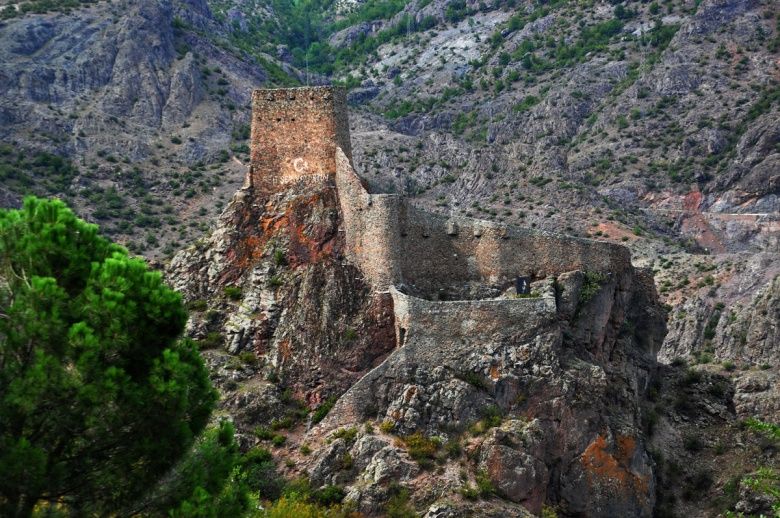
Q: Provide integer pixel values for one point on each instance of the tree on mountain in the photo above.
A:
(99, 396)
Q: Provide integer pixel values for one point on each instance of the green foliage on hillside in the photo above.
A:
(42, 6)
(99, 397)
(35, 172)
(304, 26)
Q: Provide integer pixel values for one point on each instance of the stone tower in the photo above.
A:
(295, 134)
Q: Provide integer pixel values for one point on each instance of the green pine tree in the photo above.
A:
(99, 396)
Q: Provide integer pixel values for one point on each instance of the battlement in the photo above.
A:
(295, 134)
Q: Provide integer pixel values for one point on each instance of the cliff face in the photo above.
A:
(560, 377)
(277, 287)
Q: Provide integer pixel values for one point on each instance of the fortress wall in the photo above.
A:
(295, 133)
(421, 320)
(302, 134)
(440, 251)
(370, 222)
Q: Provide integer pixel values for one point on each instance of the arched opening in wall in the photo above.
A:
(401, 336)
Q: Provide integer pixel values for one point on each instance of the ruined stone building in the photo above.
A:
(301, 136)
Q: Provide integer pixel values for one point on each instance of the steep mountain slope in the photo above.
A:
(144, 100)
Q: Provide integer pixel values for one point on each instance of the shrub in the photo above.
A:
(232, 292)
(421, 448)
(264, 433)
(212, 340)
(297, 506)
(322, 410)
(328, 495)
(526, 104)
(398, 505)
(484, 485)
(453, 448)
(474, 379)
(692, 377)
(197, 305)
(492, 416)
(279, 257)
(348, 434)
(248, 358)
(346, 462)
(693, 443)
(278, 440)
(386, 426)
(469, 492)
(286, 422)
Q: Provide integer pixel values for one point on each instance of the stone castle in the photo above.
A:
(423, 323)
(436, 269)
(419, 321)
(302, 135)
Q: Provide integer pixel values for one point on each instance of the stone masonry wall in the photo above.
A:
(438, 252)
(395, 243)
(302, 134)
(295, 133)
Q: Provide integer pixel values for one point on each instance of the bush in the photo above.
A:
(286, 422)
(212, 340)
(484, 485)
(322, 410)
(232, 292)
(693, 443)
(692, 377)
(473, 379)
(590, 287)
(421, 448)
(398, 505)
(264, 433)
(469, 492)
(279, 257)
(453, 448)
(248, 358)
(328, 495)
(346, 462)
(298, 507)
(348, 434)
(197, 305)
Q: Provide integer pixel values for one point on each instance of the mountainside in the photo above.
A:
(655, 125)
(143, 100)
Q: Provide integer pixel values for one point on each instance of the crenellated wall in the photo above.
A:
(295, 134)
